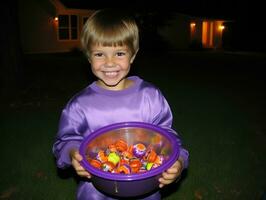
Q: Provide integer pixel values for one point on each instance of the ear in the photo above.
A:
(89, 59)
(133, 57)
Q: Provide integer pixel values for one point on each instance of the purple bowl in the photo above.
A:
(129, 185)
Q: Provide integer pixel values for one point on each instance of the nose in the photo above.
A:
(110, 62)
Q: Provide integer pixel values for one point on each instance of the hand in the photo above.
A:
(171, 174)
(75, 160)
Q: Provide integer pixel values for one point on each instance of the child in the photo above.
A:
(111, 41)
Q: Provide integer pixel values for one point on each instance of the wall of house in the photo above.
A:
(207, 33)
(196, 37)
(38, 29)
(217, 40)
(177, 32)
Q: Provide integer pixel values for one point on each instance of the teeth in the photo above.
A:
(110, 73)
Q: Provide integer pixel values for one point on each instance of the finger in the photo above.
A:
(177, 164)
(77, 156)
(76, 163)
(172, 170)
(163, 182)
(166, 182)
(83, 173)
(168, 176)
(78, 167)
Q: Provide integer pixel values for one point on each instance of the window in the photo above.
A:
(67, 27)
(207, 34)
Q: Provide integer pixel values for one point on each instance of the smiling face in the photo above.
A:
(111, 65)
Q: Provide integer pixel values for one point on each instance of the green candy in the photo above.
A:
(149, 166)
(113, 158)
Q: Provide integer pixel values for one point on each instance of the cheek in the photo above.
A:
(95, 68)
(95, 65)
(125, 65)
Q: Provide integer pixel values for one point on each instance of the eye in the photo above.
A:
(98, 54)
(120, 53)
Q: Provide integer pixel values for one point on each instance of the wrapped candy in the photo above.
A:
(95, 163)
(108, 166)
(149, 166)
(121, 145)
(113, 158)
(135, 165)
(150, 155)
(139, 150)
(111, 148)
(122, 158)
(127, 155)
(101, 156)
(159, 160)
(124, 169)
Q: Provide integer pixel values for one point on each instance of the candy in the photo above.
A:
(111, 148)
(95, 163)
(149, 166)
(135, 164)
(124, 169)
(122, 158)
(139, 150)
(159, 160)
(101, 156)
(127, 155)
(113, 158)
(123, 161)
(121, 145)
(150, 155)
(108, 166)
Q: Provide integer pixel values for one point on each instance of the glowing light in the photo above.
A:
(55, 19)
(192, 24)
(221, 27)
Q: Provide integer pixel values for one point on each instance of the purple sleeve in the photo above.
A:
(164, 119)
(71, 126)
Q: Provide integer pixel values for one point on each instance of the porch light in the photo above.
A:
(192, 24)
(221, 27)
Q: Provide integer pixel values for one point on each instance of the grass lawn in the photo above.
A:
(218, 103)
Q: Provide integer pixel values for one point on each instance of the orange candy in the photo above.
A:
(121, 145)
(95, 163)
(127, 155)
(112, 148)
(124, 169)
(108, 166)
(135, 165)
(101, 156)
(150, 156)
(122, 158)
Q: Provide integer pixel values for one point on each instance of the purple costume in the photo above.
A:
(95, 107)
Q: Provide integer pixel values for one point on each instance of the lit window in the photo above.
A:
(67, 27)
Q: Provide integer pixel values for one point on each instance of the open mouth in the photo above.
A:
(111, 74)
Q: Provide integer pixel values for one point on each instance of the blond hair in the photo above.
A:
(110, 28)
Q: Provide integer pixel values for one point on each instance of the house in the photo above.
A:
(186, 32)
(48, 26)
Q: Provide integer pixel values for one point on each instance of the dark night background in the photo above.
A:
(247, 32)
(247, 16)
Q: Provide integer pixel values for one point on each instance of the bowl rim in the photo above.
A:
(129, 177)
